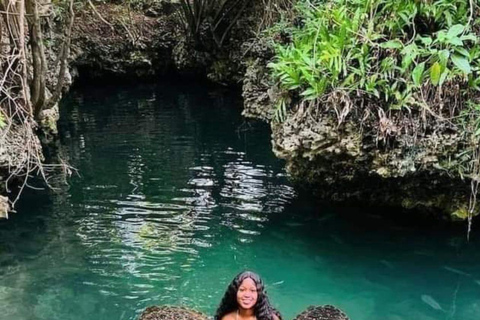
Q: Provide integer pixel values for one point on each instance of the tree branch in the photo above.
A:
(38, 84)
(63, 56)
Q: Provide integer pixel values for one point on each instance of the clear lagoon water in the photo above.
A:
(177, 193)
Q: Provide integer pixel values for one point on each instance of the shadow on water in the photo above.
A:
(392, 264)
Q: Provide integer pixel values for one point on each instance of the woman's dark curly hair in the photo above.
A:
(262, 309)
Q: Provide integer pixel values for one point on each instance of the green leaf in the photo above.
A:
(443, 77)
(309, 93)
(477, 133)
(455, 30)
(464, 52)
(448, 17)
(456, 41)
(461, 63)
(441, 36)
(404, 17)
(349, 80)
(426, 40)
(392, 44)
(435, 71)
(470, 37)
(395, 106)
(444, 55)
(409, 53)
(417, 73)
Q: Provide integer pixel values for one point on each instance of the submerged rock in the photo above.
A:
(326, 312)
(171, 313)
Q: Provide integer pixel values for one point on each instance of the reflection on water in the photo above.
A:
(164, 175)
(175, 197)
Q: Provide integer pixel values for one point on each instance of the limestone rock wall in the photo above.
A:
(347, 163)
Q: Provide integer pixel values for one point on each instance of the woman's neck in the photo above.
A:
(245, 313)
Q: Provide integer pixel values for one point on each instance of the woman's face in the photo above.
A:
(247, 294)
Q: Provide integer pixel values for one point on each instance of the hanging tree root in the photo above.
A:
(21, 154)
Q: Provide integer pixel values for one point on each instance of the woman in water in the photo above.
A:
(246, 299)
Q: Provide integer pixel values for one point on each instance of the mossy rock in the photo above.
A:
(171, 313)
(326, 312)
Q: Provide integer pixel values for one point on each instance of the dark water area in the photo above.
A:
(176, 193)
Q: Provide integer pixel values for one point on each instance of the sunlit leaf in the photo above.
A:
(426, 40)
(392, 44)
(443, 55)
(435, 72)
(464, 52)
(455, 30)
(461, 63)
(417, 73)
(444, 76)
(470, 37)
(456, 41)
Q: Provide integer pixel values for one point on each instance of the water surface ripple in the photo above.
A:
(176, 194)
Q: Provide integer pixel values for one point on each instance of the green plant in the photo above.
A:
(385, 50)
(218, 16)
(281, 109)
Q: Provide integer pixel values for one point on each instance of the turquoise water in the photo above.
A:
(176, 194)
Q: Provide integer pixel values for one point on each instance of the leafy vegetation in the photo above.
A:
(419, 58)
(385, 50)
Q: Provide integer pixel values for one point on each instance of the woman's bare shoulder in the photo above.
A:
(229, 316)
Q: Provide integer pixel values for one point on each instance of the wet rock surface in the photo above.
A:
(171, 313)
(326, 312)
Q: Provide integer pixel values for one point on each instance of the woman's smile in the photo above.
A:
(247, 294)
